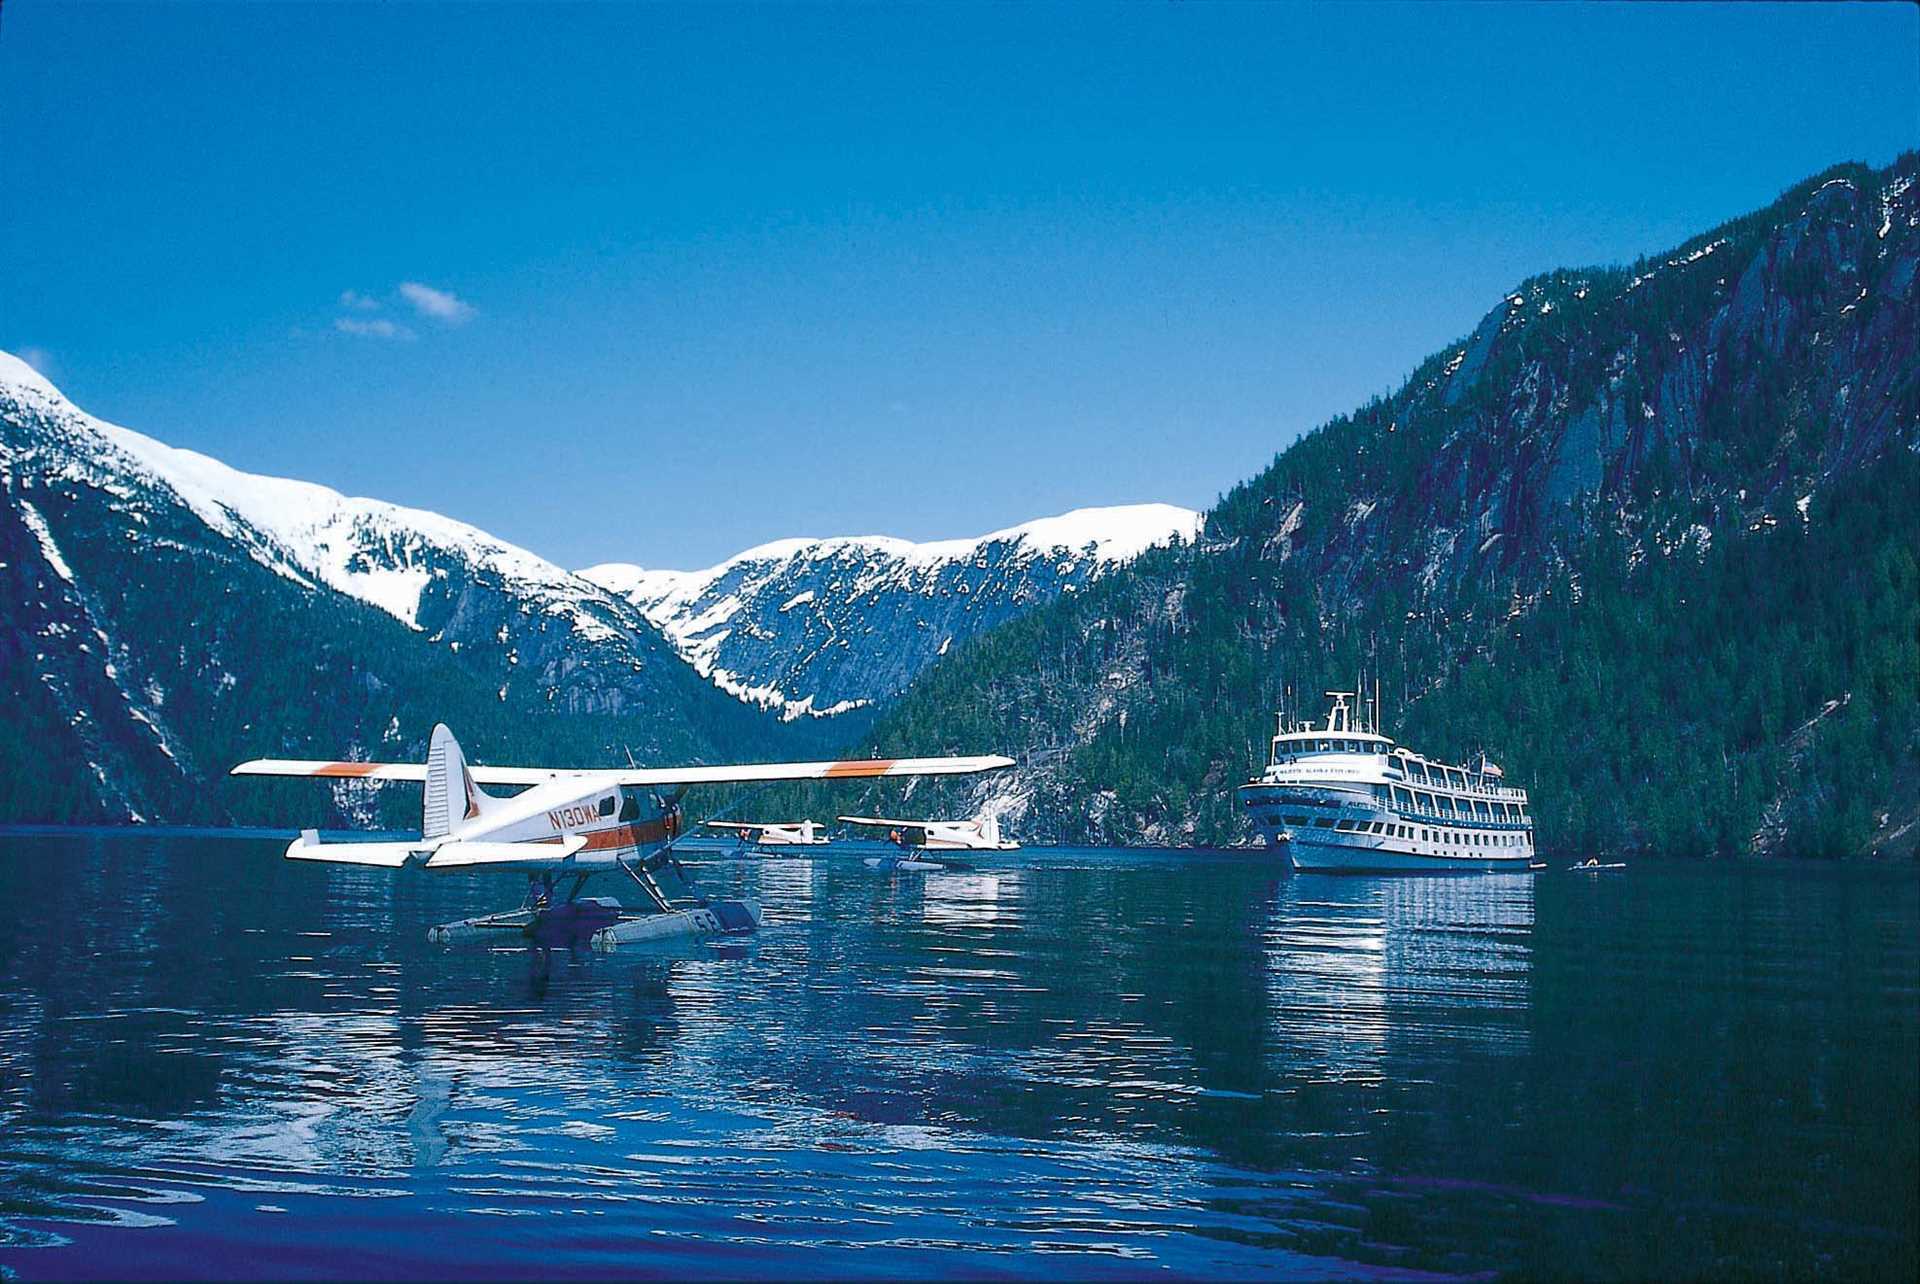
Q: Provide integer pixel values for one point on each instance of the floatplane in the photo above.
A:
(566, 826)
(916, 838)
(795, 833)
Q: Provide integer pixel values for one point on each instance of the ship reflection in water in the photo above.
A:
(1069, 1064)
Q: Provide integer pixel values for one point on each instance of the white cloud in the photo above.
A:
(376, 328)
(39, 358)
(441, 305)
(358, 301)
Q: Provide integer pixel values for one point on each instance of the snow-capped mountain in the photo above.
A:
(407, 562)
(818, 627)
(157, 602)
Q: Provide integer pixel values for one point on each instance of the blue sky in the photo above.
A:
(706, 277)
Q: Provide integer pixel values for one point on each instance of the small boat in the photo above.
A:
(1592, 865)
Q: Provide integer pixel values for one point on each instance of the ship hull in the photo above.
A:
(1339, 829)
(1330, 858)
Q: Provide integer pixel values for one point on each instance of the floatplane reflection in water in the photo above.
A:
(567, 826)
(1344, 798)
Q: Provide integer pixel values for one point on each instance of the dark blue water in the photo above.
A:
(1070, 1065)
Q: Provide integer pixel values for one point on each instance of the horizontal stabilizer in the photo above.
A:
(387, 855)
(525, 855)
(638, 777)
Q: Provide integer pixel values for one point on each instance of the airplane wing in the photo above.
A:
(386, 855)
(845, 769)
(443, 855)
(458, 855)
(414, 771)
(879, 820)
(740, 825)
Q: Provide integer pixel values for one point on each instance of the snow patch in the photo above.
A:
(48, 549)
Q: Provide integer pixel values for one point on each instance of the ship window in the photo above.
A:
(1323, 745)
(1323, 822)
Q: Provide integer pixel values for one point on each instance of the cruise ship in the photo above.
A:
(1345, 798)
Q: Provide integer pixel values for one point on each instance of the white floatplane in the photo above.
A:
(799, 833)
(981, 834)
(917, 837)
(566, 826)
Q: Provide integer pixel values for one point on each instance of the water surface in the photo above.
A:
(1063, 1064)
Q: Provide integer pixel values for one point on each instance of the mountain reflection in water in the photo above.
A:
(1061, 1063)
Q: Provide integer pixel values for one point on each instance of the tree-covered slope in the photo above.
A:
(1648, 535)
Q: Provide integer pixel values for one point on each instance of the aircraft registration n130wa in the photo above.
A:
(567, 826)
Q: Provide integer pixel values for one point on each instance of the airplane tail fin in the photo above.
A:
(451, 795)
(989, 828)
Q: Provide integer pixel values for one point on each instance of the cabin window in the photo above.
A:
(630, 808)
(606, 805)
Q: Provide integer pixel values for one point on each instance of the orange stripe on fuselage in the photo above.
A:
(602, 840)
(860, 767)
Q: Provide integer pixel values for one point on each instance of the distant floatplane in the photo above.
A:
(919, 839)
(1344, 798)
(981, 834)
(795, 833)
(568, 825)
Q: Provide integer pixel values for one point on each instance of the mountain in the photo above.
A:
(166, 615)
(1648, 534)
(814, 628)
